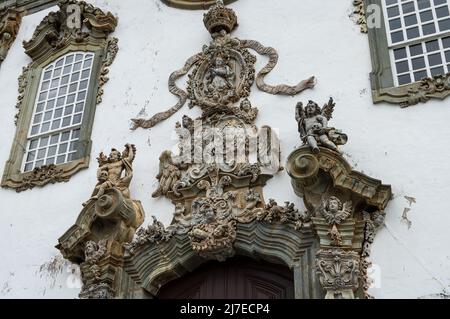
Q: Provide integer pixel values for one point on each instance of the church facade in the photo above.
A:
(224, 149)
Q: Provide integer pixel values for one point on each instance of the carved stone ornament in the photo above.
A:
(40, 176)
(313, 126)
(346, 207)
(437, 87)
(338, 272)
(108, 220)
(10, 20)
(76, 26)
(223, 72)
(360, 12)
(193, 4)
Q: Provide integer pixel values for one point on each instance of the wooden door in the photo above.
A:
(237, 278)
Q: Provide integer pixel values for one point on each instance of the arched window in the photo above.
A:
(58, 91)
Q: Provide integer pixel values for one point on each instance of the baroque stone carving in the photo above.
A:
(313, 126)
(75, 24)
(54, 32)
(345, 206)
(437, 87)
(49, 174)
(334, 211)
(107, 222)
(360, 12)
(338, 272)
(223, 72)
(114, 171)
(168, 176)
(10, 20)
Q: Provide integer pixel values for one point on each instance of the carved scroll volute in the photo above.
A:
(339, 200)
(96, 241)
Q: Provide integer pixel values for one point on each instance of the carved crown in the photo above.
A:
(220, 18)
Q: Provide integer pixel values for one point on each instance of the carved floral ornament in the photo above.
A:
(76, 25)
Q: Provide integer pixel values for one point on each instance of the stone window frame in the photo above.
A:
(44, 52)
(381, 77)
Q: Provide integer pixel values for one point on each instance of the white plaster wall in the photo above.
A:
(403, 147)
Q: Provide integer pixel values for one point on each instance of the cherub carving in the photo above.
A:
(93, 252)
(169, 174)
(334, 211)
(115, 171)
(220, 76)
(313, 126)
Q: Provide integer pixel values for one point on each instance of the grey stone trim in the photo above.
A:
(381, 78)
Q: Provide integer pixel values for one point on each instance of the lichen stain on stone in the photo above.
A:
(53, 268)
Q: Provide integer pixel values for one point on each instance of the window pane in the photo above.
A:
(444, 25)
(428, 29)
(415, 49)
(423, 4)
(402, 67)
(434, 59)
(408, 7)
(437, 71)
(404, 79)
(410, 20)
(418, 63)
(432, 45)
(442, 12)
(397, 36)
(412, 33)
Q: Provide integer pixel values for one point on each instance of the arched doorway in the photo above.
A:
(237, 278)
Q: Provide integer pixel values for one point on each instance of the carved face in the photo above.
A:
(114, 156)
(245, 105)
(312, 109)
(219, 62)
(334, 204)
(90, 248)
(103, 176)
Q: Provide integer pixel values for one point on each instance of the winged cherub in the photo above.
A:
(114, 171)
(313, 126)
(334, 211)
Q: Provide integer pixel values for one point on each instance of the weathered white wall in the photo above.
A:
(402, 147)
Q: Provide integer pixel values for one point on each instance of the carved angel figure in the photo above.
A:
(220, 76)
(115, 171)
(169, 174)
(334, 211)
(313, 126)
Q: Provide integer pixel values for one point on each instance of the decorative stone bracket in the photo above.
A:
(347, 208)
(108, 220)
